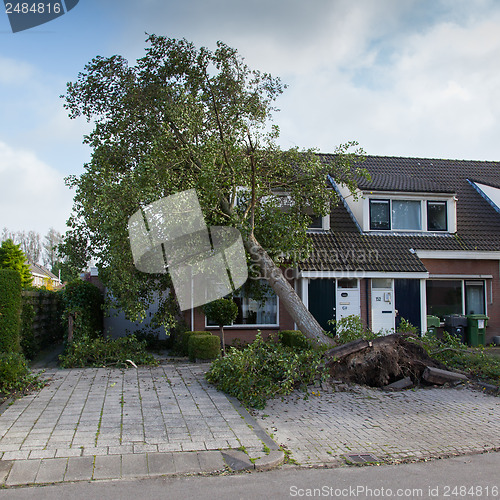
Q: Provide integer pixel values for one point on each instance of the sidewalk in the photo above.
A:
(106, 423)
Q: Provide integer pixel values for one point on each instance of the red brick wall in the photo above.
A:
(475, 267)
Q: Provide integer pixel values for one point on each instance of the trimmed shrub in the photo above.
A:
(84, 302)
(184, 341)
(29, 345)
(203, 347)
(10, 310)
(221, 312)
(294, 339)
(106, 352)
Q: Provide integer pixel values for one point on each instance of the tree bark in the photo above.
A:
(305, 321)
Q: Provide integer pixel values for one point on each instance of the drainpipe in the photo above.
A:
(368, 305)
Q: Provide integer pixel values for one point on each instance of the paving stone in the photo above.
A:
(186, 462)
(79, 469)
(68, 452)
(107, 467)
(16, 455)
(51, 470)
(135, 465)
(42, 454)
(210, 461)
(5, 466)
(23, 472)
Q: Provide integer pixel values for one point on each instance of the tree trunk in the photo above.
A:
(305, 321)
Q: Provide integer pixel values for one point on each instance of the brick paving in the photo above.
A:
(111, 423)
(107, 411)
(104, 423)
(394, 426)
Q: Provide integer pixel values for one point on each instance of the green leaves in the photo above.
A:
(264, 370)
(12, 257)
(185, 117)
(106, 352)
(221, 311)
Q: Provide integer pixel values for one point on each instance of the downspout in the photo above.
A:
(368, 304)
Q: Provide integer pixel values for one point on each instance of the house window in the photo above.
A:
(255, 309)
(406, 215)
(437, 219)
(444, 297)
(380, 217)
(316, 222)
(474, 297)
(347, 283)
(447, 297)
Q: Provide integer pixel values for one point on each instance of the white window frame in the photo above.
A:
(325, 225)
(423, 199)
(462, 281)
(251, 325)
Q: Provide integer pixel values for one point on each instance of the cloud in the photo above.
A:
(13, 72)
(33, 194)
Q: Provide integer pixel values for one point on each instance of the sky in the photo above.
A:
(417, 78)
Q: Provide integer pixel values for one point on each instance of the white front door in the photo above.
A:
(348, 302)
(383, 310)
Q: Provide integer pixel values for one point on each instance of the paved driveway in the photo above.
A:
(393, 426)
(106, 411)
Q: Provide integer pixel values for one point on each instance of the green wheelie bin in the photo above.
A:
(476, 329)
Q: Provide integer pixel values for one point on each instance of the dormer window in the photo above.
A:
(398, 214)
(380, 215)
(437, 218)
(319, 223)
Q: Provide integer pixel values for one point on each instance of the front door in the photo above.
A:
(407, 296)
(383, 310)
(321, 293)
(347, 298)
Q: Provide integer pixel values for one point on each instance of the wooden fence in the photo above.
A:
(47, 311)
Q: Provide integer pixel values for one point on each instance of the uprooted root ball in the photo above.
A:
(381, 365)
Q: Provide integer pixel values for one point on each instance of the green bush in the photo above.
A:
(351, 328)
(153, 342)
(10, 310)
(84, 302)
(184, 341)
(222, 312)
(29, 345)
(14, 373)
(203, 347)
(294, 339)
(454, 354)
(106, 352)
(264, 370)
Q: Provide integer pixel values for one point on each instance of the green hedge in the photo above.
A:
(184, 341)
(294, 339)
(13, 370)
(84, 301)
(10, 310)
(203, 347)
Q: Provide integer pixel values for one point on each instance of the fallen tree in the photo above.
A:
(383, 361)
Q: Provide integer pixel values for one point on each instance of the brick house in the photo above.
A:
(422, 238)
